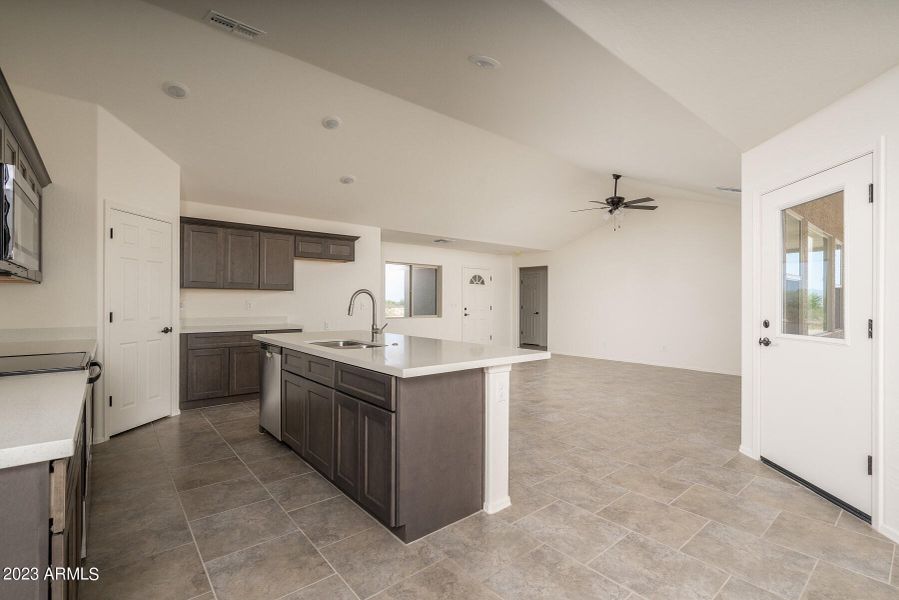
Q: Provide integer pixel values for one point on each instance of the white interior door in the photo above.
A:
(139, 300)
(533, 296)
(817, 297)
(477, 305)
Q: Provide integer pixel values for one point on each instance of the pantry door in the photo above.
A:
(139, 327)
(816, 355)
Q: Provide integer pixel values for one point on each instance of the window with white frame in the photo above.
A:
(412, 290)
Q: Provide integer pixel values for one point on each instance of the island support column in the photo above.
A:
(496, 442)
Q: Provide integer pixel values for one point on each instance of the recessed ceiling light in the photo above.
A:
(484, 62)
(443, 241)
(331, 122)
(347, 179)
(728, 189)
(176, 90)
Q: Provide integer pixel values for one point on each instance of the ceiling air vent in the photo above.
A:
(233, 25)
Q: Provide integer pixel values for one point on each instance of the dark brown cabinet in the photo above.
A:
(201, 256)
(377, 462)
(241, 259)
(341, 248)
(275, 261)
(207, 373)
(318, 443)
(293, 411)
(346, 443)
(244, 368)
(220, 367)
(223, 255)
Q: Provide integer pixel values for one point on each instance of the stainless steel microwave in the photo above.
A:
(20, 228)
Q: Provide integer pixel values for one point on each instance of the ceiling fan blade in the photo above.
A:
(640, 207)
(640, 201)
(583, 209)
(603, 202)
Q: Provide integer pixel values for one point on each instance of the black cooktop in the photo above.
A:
(43, 363)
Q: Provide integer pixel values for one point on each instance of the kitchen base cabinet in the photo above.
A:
(408, 451)
(220, 367)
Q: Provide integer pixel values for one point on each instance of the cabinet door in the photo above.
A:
(207, 373)
(201, 256)
(275, 261)
(346, 443)
(377, 462)
(293, 411)
(340, 250)
(241, 256)
(308, 246)
(318, 447)
(245, 370)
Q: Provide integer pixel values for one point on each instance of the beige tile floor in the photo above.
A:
(625, 479)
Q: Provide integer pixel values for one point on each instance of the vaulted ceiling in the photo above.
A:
(666, 93)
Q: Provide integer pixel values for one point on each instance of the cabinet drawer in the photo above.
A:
(320, 370)
(219, 340)
(373, 387)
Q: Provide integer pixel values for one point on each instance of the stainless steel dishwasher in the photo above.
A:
(270, 402)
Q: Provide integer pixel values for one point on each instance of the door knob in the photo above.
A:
(764, 341)
(166, 330)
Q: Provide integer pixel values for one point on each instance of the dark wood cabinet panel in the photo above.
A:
(207, 373)
(344, 250)
(324, 247)
(245, 370)
(371, 386)
(293, 411)
(221, 339)
(346, 443)
(241, 259)
(275, 261)
(308, 246)
(201, 256)
(319, 370)
(318, 444)
(377, 462)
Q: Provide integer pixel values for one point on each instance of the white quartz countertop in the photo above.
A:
(39, 416)
(224, 326)
(404, 355)
(23, 347)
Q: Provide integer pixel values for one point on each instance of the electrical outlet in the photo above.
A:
(325, 326)
(249, 305)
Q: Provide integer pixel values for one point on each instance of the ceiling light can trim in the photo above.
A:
(176, 90)
(332, 122)
(347, 179)
(482, 61)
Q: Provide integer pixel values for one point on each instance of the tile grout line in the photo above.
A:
(189, 528)
(286, 514)
(809, 579)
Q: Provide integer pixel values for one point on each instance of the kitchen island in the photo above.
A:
(415, 430)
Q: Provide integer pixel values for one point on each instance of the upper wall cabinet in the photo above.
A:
(220, 255)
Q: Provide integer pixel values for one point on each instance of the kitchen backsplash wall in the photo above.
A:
(322, 288)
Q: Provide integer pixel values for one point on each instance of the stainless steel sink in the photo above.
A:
(347, 344)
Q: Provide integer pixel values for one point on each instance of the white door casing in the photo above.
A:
(477, 305)
(138, 354)
(816, 389)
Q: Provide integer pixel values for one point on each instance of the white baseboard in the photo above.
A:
(497, 505)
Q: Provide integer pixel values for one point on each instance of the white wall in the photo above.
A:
(322, 289)
(449, 325)
(662, 290)
(863, 121)
(65, 131)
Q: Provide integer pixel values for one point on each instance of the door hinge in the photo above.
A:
(870, 465)
(110, 401)
(870, 192)
(870, 329)
(110, 233)
(110, 317)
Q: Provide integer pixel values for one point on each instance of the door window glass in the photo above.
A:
(813, 267)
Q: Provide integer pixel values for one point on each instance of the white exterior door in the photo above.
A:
(816, 356)
(139, 300)
(477, 305)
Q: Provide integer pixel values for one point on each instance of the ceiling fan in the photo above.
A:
(614, 203)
